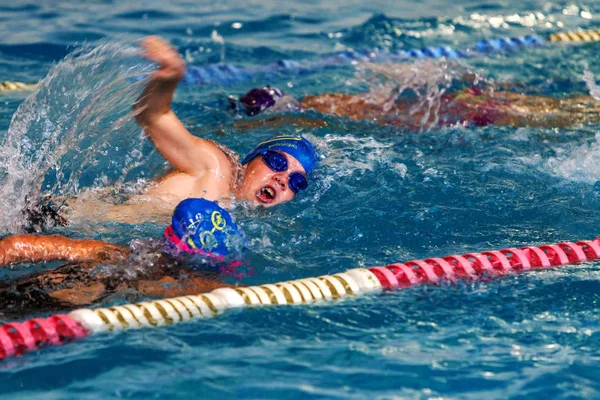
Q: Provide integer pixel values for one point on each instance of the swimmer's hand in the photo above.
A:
(187, 153)
(171, 65)
(155, 101)
(109, 253)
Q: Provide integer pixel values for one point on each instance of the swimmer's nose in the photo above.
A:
(281, 182)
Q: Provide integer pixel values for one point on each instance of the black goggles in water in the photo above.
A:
(278, 162)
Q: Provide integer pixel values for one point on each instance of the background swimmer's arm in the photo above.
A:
(522, 110)
(278, 121)
(68, 288)
(186, 152)
(354, 107)
(33, 248)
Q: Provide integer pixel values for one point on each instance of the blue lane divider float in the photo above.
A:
(224, 74)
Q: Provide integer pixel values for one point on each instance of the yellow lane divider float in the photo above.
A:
(8, 86)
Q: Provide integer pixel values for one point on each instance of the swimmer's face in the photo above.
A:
(265, 187)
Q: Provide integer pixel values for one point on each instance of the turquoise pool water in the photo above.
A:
(383, 194)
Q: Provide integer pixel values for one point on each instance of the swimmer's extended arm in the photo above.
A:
(170, 287)
(33, 248)
(186, 152)
(69, 286)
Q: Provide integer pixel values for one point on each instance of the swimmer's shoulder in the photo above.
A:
(228, 161)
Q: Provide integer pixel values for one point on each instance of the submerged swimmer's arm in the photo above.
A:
(33, 248)
(170, 287)
(186, 152)
(85, 293)
(54, 290)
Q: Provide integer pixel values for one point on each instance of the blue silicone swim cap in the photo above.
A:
(298, 147)
(201, 226)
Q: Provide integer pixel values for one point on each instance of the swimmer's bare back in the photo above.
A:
(154, 204)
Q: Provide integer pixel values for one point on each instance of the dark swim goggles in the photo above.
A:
(278, 162)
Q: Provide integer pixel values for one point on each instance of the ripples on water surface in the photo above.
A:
(381, 195)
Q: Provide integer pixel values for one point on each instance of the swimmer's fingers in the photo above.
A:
(110, 253)
(158, 50)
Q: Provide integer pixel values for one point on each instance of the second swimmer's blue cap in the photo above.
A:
(298, 147)
(201, 226)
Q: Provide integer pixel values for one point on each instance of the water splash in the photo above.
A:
(580, 164)
(425, 81)
(75, 130)
(590, 81)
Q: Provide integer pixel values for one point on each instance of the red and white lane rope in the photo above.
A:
(17, 338)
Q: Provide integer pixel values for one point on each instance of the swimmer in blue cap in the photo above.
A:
(202, 244)
(201, 227)
(275, 171)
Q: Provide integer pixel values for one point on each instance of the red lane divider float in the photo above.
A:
(487, 263)
(17, 338)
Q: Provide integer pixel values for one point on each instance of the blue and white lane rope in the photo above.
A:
(229, 73)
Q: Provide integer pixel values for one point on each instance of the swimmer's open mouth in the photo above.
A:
(266, 194)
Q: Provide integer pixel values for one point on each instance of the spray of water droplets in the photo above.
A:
(426, 81)
(75, 131)
(580, 163)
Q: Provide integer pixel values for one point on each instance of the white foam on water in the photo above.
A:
(590, 81)
(580, 164)
(426, 80)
